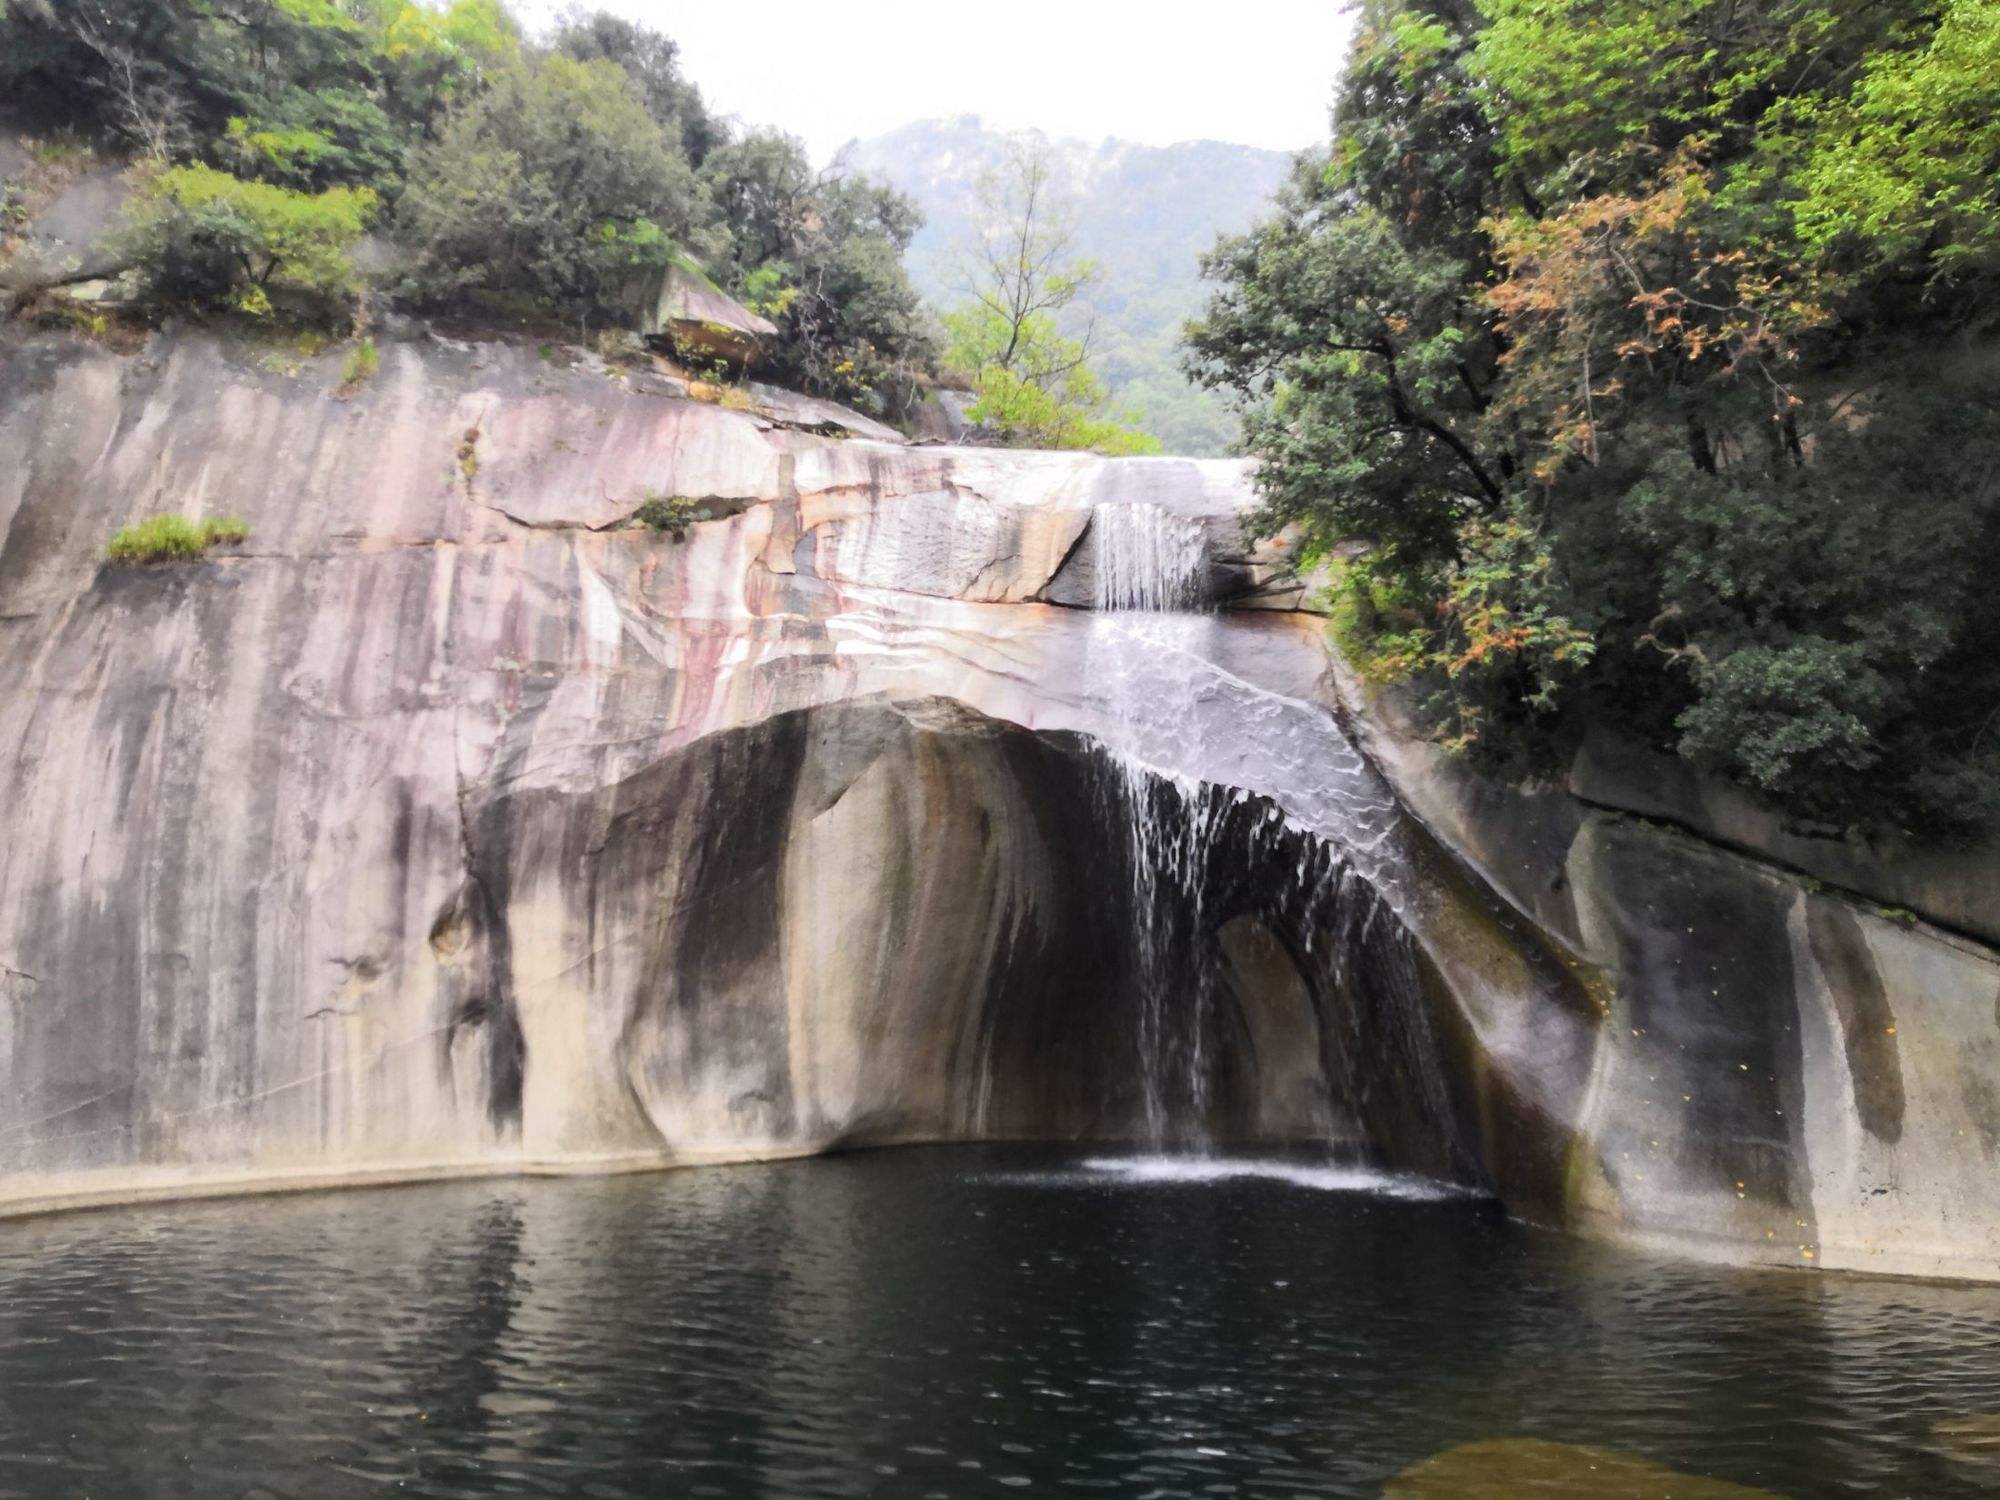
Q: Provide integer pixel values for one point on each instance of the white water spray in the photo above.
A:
(1152, 569)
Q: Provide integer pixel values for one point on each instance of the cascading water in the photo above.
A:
(1144, 660)
(1148, 558)
(1167, 703)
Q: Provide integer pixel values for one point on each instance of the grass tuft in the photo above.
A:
(363, 360)
(174, 538)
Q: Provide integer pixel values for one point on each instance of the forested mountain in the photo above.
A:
(1145, 214)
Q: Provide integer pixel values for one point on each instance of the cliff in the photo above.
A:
(455, 822)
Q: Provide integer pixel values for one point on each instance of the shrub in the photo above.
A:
(202, 238)
(174, 538)
(670, 515)
(1655, 389)
(553, 184)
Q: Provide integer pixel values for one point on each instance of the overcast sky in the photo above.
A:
(1260, 73)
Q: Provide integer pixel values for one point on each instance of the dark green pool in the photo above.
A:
(937, 1322)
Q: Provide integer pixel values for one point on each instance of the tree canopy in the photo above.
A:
(507, 171)
(821, 254)
(1637, 359)
(554, 182)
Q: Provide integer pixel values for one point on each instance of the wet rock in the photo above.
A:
(1972, 1442)
(453, 824)
(1784, 1074)
(1517, 1468)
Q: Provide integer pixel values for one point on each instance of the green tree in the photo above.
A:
(1034, 384)
(821, 254)
(1353, 329)
(653, 60)
(304, 93)
(1634, 343)
(553, 184)
(1906, 169)
(203, 238)
(547, 175)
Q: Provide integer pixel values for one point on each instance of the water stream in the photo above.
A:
(1146, 662)
(1155, 670)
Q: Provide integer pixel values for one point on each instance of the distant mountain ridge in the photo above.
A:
(1144, 213)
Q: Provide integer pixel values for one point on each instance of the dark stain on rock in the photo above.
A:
(1705, 965)
(470, 940)
(1868, 1026)
(1983, 1099)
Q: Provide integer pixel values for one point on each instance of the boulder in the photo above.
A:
(74, 209)
(1505, 1468)
(682, 309)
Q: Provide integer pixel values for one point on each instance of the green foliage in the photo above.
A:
(1136, 354)
(1143, 214)
(1911, 159)
(1035, 388)
(1642, 347)
(673, 515)
(1035, 385)
(554, 183)
(653, 61)
(201, 237)
(304, 78)
(157, 540)
(1351, 345)
(228, 531)
(363, 360)
(1377, 620)
(174, 538)
(538, 181)
(821, 255)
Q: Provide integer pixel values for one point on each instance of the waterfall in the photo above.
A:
(1151, 579)
(1179, 736)
(1148, 558)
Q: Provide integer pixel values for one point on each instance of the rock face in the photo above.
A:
(71, 214)
(451, 823)
(1788, 1073)
(457, 823)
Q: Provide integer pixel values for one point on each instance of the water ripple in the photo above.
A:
(943, 1322)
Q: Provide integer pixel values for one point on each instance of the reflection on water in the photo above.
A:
(940, 1323)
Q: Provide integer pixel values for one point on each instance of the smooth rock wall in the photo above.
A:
(455, 823)
(450, 824)
(1785, 1073)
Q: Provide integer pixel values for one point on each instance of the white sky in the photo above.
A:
(1259, 72)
